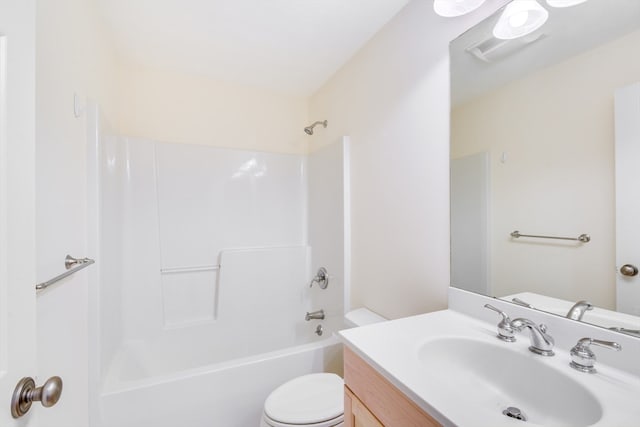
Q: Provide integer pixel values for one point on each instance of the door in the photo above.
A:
(627, 118)
(17, 201)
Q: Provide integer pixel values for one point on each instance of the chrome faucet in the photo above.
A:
(577, 311)
(322, 278)
(505, 330)
(541, 342)
(583, 358)
(317, 315)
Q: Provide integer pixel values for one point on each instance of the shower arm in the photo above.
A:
(309, 129)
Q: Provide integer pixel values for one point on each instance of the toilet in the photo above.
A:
(314, 400)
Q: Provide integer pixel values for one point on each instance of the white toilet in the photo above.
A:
(310, 400)
(314, 400)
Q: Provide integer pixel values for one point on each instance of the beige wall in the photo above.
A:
(72, 55)
(392, 99)
(556, 127)
(171, 106)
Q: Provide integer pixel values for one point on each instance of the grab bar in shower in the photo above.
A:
(191, 269)
(72, 264)
(583, 238)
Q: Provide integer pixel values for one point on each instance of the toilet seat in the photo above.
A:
(336, 422)
(314, 400)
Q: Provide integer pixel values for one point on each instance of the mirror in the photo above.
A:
(533, 151)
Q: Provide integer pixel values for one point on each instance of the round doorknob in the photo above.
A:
(26, 393)
(629, 270)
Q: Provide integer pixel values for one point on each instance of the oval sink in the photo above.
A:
(496, 378)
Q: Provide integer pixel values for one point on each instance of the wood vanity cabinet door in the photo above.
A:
(356, 414)
(367, 390)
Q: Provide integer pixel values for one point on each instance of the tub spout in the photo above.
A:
(318, 315)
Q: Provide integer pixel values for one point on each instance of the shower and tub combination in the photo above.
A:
(201, 301)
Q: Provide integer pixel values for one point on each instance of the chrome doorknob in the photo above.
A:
(629, 270)
(26, 393)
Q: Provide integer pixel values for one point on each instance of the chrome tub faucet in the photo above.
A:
(314, 315)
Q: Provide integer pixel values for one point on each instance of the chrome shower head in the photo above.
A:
(309, 129)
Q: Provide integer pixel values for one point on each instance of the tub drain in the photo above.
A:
(514, 412)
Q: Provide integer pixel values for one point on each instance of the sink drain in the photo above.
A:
(514, 412)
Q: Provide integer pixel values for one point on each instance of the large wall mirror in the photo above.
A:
(534, 125)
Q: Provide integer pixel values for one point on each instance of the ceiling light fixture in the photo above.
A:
(453, 8)
(520, 17)
(564, 3)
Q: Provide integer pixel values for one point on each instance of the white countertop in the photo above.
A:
(392, 348)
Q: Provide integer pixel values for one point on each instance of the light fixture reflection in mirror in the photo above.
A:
(520, 18)
(453, 8)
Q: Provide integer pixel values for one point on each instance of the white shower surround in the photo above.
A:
(227, 336)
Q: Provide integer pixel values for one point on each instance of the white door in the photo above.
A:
(17, 204)
(627, 116)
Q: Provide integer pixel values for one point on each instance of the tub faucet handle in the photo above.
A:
(322, 278)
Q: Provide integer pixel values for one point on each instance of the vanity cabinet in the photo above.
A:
(370, 400)
(356, 413)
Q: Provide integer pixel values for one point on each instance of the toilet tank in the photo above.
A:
(361, 317)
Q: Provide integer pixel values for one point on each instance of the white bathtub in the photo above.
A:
(199, 296)
(227, 394)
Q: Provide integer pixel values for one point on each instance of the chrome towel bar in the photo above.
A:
(72, 265)
(583, 238)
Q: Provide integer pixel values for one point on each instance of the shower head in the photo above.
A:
(309, 129)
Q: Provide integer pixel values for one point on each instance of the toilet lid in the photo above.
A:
(307, 399)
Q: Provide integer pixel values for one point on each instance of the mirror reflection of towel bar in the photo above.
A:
(583, 238)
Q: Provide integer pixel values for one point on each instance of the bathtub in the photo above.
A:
(225, 394)
(205, 257)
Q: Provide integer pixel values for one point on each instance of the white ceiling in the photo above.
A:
(292, 46)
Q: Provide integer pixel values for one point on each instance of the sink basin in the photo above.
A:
(455, 369)
(496, 377)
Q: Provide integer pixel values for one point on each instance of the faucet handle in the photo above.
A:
(497, 310)
(505, 329)
(543, 329)
(321, 278)
(583, 358)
